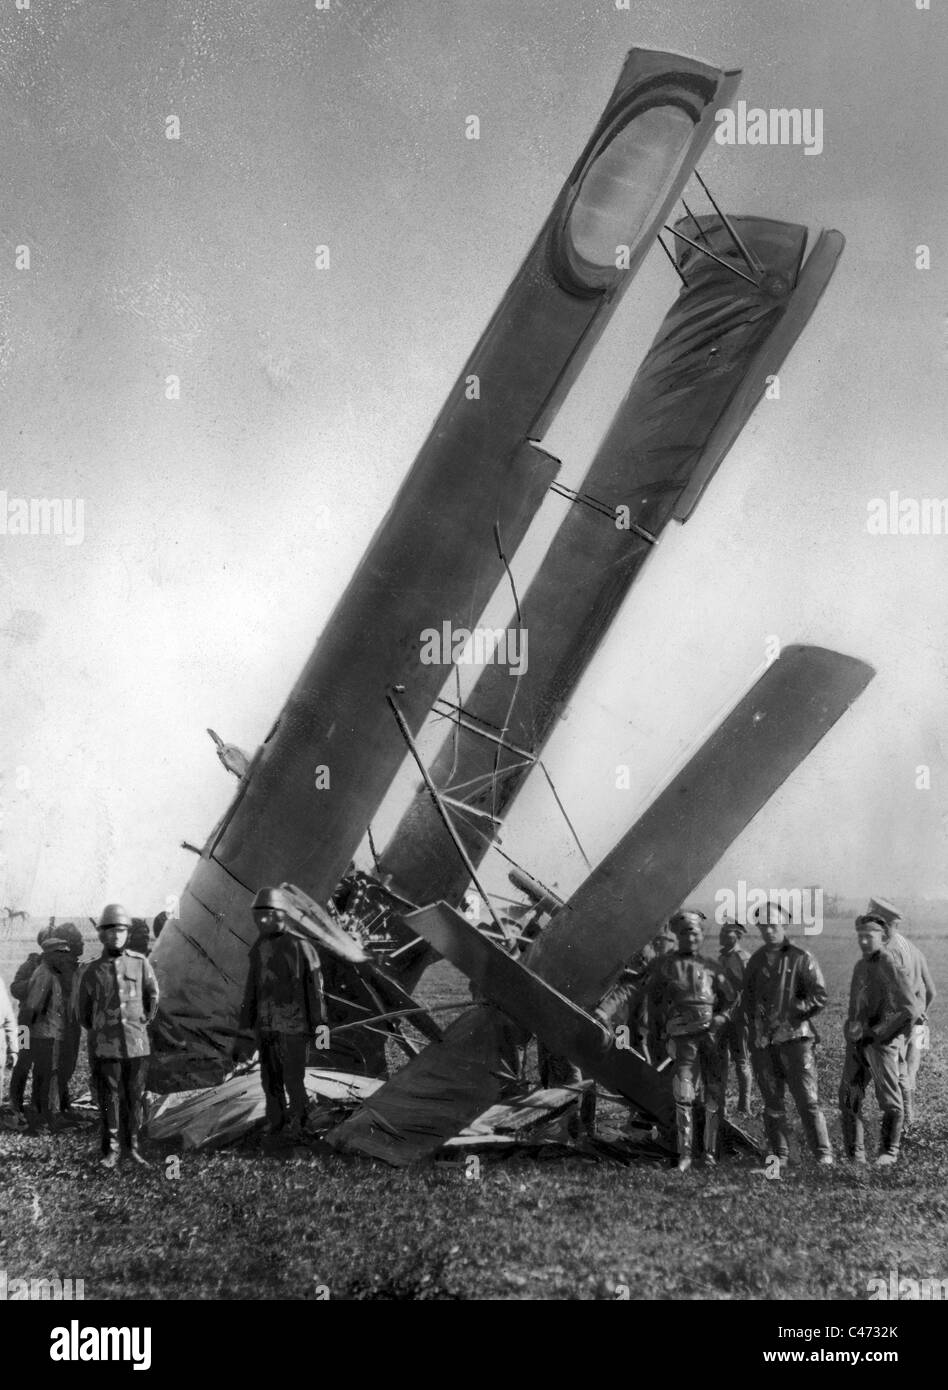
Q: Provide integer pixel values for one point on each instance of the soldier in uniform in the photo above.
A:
(909, 958)
(784, 990)
(627, 1001)
(24, 1063)
(69, 1052)
(283, 1005)
(48, 1013)
(734, 1041)
(882, 1010)
(689, 1001)
(116, 999)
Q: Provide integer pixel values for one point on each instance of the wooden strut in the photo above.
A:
(587, 500)
(442, 812)
(482, 733)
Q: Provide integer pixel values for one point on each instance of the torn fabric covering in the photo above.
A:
(696, 388)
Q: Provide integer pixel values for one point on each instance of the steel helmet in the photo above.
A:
(114, 915)
(269, 898)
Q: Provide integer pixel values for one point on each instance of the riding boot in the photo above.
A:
(743, 1089)
(712, 1124)
(854, 1136)
(684, 1129)
(890, 1138)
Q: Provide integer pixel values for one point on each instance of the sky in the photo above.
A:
(221, 525)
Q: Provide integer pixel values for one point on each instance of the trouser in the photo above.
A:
(734, 1044)
(93, 1079)
(120, 1085)
(560, 1071)
(697, 1061)
(916, 1043)
(19, 1077)
(793, 1065)
(47, 1055)
(68, 1057)
(282, 1075)
(884, 1063)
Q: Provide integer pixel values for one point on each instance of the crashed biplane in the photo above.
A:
(747, 291)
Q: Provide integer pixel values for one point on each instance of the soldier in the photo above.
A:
(283, 1005)
(689, 1001)
(882, 1010)
(48, 1013)
(627, 1001)
(24, 1064)
(908, 957)
(9, 1034)
(116, 1000)
(734, 1041)
(69, 1052)
(783, 991)
(884, 1007)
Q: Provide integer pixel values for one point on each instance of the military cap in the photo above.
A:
(53, 943)
(870, 921)
(687, 917)
(885, 911)
(730, 924)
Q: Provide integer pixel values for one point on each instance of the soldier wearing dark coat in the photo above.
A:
(116, 999)
(883, 1008)
(19, 989)
(283, 1006)
(47, 1012)
(784, 990)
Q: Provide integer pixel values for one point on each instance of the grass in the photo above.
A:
(241, 1224)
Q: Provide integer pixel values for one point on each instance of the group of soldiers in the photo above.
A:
(696, 1014)
(680, 1009)
(114, 998)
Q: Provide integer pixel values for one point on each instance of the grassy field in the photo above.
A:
(241, 1224)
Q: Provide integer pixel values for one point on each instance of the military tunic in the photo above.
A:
(116, 999)
(883, 1006)
(283, 1004)
(684, 994)
(909, 958)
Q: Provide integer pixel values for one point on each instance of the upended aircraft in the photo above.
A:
(746, 290)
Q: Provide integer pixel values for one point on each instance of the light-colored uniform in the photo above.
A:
(909, 959)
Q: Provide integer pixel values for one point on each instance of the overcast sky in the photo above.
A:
(220, 528)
